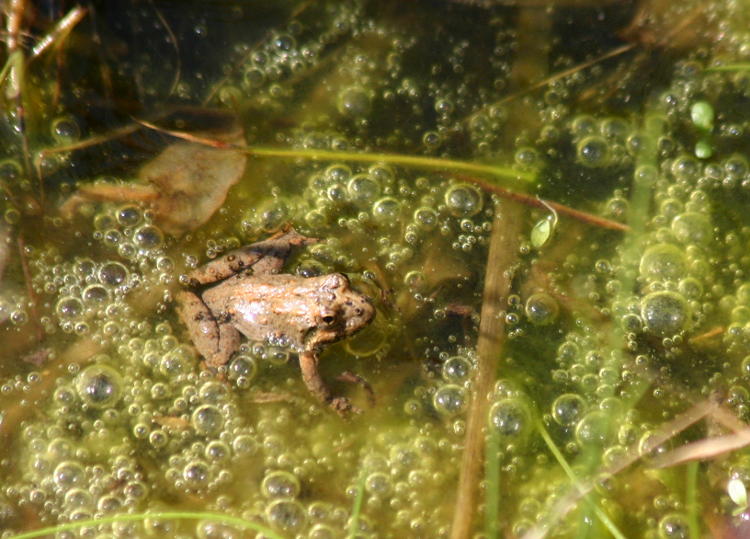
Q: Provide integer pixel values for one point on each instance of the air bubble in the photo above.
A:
(65, 130)
(593, 152)
(692, 227)
(99, 386)
(541, 309)
(463, 200)
(363, 188)
(456, 369)
(69, 308)
(95, 294)
(425, 218)
(68, 474)
(148, 237)
(207, 420)
(387, 211)
(286, 515)
(510, 418)
(280, 484)
(113, 274)
(449, 400)
(128, 215)
(567, 409)
(196, 474)
(354, 101)
(662, 262)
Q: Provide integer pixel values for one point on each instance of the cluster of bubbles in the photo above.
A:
(415, 208)
(404, 477)
(130, 232)
(90, 295)
(270, 68)
(150, 399)
(448, 394)
(84, 472)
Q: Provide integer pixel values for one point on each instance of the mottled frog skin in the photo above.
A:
(243, 293)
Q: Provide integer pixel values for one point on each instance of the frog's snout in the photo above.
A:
(361, 313)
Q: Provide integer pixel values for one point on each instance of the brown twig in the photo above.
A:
(4, 248)
(708, 448)
(711, 333)
(190, 137)
(552, 78)
(87, 143)
(501, 259)
(61, 30)
(537, 202)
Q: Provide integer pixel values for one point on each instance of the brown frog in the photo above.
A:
(243, 293)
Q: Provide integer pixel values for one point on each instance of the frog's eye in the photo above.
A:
(327, 316)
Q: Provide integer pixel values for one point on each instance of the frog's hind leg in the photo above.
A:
(214, 340)
(262, 258)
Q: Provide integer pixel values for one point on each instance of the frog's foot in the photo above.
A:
(308, 362)
(343, 406)
(353, 378)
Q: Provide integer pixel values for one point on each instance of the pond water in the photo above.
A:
(544, 203)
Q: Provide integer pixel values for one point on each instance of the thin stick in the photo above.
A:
(711, 333)
(552, 78)
(536, 202)
(13, 30)
(175, 44)
(707, 448)
(104, 71)
(501, 260)
(61, 30)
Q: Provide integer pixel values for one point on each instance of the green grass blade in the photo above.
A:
(238, 523)
(598, 511)
(357, 507)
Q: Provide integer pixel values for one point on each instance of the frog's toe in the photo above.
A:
(343, 406)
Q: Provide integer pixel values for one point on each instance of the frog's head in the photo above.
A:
(341, 310)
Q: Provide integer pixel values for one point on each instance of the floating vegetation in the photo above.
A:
(543, 203)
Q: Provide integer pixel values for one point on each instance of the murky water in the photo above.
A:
(544, 203)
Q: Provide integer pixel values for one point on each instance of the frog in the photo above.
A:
(244, 293)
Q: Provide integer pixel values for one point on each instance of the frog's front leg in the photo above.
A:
(308, 362)
(215, 339)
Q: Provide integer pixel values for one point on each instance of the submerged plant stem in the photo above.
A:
(509, 174)
(598, 511)
(416, 161)
(535, 202)
(501, 261)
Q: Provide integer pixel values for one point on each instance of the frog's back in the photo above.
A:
(280, 309)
